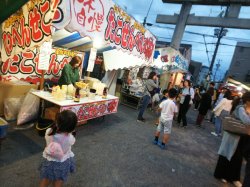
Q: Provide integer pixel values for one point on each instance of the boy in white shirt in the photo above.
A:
(168, 109)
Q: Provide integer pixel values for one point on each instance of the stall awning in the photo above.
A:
(105, 21)
(237, 83)
(116, 59)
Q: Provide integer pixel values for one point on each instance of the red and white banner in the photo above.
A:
(92, 110)
(104, 20)
(24, 66)
(28, 28)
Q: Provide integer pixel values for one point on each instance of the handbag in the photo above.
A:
(235, 126)
(54, 150)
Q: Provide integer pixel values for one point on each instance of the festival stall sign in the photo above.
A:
(169, 59)
(104, 20)
(92, 110)
(28, 28)
(24, 66)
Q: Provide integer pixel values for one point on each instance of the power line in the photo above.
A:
(200, 34)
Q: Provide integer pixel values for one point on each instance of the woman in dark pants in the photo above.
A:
(205, 105)
(197, 98)
(150, 84)
(186, 97)
(233, 148)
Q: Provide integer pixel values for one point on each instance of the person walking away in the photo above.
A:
(205, 105)
(197, 98)
(211, 86)
(168, 109)
(58, 159)
(220, 110)
(242, 113)
(186, 98)
(150, 84)
(219, 98)
(233, 147)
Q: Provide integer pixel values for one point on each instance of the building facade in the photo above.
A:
(195, 69)
(240, 65)
(202, 76)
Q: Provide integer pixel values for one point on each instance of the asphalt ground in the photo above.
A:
(118, 151)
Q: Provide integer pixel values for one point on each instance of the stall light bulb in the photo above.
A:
(97, 43)
(239, 88)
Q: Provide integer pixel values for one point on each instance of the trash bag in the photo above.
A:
(29, 109)
(12, 107)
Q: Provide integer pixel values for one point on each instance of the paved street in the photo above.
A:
(119, 152)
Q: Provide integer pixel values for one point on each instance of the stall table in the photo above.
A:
(85, 109)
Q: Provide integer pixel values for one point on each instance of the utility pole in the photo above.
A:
(219, 33)
(217, 67)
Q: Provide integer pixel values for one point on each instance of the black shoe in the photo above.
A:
(184, 126)
(141, 120)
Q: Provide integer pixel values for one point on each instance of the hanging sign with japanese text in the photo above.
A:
(28, 28)
(44, 55)
(92, 110)
(104, 20)
(24, 66)
(170, 60)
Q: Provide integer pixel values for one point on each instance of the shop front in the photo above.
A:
(28, 55)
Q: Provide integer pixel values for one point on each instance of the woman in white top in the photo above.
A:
(186, 99)
(223, 108)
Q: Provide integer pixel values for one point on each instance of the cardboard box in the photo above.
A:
(50, 113)
(13, 89)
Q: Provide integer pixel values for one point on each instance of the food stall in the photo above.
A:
(237, 88)
(22, 45)
(172, 64)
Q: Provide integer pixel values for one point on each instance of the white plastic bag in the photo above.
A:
(29, 109)
(12, 107)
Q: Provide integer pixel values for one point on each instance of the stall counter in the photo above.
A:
(85, 109)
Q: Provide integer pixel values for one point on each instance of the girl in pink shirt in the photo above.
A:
(58, 158)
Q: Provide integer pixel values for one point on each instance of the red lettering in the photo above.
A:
(17, 38)
(25, 34)
(148, 47)
(54, 65)
(81, 17)
(24, 68)
(45, 25)
(14, 65)
(125, 34)
(55, 4)
(34, 19)
(118, 28)
(139, 42)
(5, 66)
(36, 60)
(131, 40)
(7, 42)
(65, 60)
(89, 4)
(109, 32)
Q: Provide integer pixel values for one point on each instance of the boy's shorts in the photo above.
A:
(164, 125)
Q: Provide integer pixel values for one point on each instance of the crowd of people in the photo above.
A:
(59, 159)
(213, 106)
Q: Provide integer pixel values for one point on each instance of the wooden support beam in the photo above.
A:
(206, 21)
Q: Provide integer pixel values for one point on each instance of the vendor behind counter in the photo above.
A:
(70, 72)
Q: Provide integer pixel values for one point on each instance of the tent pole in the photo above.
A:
(42, 80)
